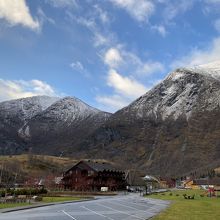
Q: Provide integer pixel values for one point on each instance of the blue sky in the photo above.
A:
(105, 52)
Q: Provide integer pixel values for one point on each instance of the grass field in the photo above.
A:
(46, 199)
(60, 199)
(12, 205)
(201, 208)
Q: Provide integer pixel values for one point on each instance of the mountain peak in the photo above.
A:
(73, 104)
(209, 70)
(183, 92)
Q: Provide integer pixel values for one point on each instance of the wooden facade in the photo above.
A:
(91, 176)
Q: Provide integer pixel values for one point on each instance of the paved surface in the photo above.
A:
(129, 207)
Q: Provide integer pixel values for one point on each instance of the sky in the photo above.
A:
(105, 52)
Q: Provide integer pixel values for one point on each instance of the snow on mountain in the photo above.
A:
(26, 108)
(183, 91)
(69, 109)
(212, 69)
(172, 129)
(64, 116)
(46, 120)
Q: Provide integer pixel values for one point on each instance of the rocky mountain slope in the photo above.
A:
(45, 124)
(174, 128)
(15, 114)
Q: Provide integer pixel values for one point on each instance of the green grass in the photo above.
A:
(45, 200)
(12, 205)
(60, 199)
(201, 208)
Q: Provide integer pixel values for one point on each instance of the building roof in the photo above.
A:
(150, 178)
(207, 181)
(97, 166)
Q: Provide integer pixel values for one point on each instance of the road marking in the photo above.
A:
(69, 215)
(129, 207)
(152, 208)
(97, 213)
(152, 204)
(121, 212)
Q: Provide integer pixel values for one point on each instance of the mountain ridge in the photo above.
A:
(48, 115)
(170, 130)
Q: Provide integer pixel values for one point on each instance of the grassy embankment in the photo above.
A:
(200, 208)
(45, 200)
(60, 199)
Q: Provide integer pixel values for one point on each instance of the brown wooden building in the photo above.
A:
(91, 176)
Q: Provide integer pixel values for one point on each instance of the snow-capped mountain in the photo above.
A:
(14, 114)
(25, 108)
(212, 69)
(172, 129)
(34, 119)
(180, 94)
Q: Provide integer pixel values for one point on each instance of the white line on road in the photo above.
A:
(97, 213)
(121, 212)
(145, 206)
(69, 215)
(130, 207)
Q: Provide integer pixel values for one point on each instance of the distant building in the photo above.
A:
(189, 184)
(91, 176)
(207, 182)
(167, 182)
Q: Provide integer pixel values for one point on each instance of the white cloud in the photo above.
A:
(125, 86)
(102, 14)
(112, 103)
(100, 40)
(140, 10)
(62, 3)
(87, 22)
(217, 24)
(112, 57)
(77, 66)
(14, 89)
(198, 56)
(140, 67)
(44, 18)
(149, 67)
(175, 8)
(126, 89)
(160, 29)
(16, 12)
(115, 57)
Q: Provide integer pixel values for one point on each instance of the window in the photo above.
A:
(90, 172)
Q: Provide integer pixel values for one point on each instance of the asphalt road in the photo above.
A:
(129, 207)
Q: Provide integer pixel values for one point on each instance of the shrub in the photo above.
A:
(23, 191)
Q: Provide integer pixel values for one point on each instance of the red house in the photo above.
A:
(91, 176)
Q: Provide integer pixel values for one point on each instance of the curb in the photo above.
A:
(41, 205)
